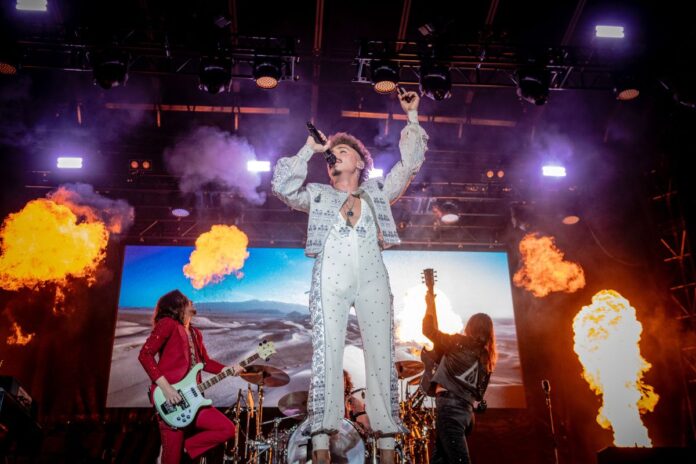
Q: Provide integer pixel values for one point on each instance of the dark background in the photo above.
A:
(622, 157)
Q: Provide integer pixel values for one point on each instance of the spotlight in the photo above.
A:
(376, 172)
(9, 58)
(609, 32)
(69, 162)
(553, 171)
(446, 212)
(533, 85)
(180, 212)
(134, 164)
(32, 5)
(435, 81)
(625, 87)
(385, 75)
(214, 74)
(267, 72)
(146, 165)
(500, 174)
(110, 68)
(490, 173)
(570, 219)
(258, 166)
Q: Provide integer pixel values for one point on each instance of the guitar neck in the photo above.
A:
(225, 373)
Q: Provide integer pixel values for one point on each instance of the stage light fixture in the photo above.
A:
(609, 32)
(435, 81)
(553, 171)
(267, 72)
(180, 212)
(570, 219)
(134, 164)
(258, 166)
(69, 162)
(490, 173)
(385, 75)
(9, 58)
(446, 212)
(32, 5)
(533, 85)
(146, 165)
(625, 87)
(214, 74)
(110, 68)
(500, 174)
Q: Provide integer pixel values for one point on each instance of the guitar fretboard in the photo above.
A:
(225, 373)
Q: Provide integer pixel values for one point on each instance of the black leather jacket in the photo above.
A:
(459, 369)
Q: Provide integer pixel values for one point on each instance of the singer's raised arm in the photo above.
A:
(289, 176)
(412, 145)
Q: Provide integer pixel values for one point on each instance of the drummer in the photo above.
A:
(354, 405)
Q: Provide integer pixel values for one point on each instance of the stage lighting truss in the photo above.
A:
(129, 58)
(486, 65)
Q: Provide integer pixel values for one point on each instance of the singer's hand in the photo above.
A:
(318, 147)
(406, 105)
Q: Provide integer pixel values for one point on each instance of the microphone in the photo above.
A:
(546, 386)
(328, 155)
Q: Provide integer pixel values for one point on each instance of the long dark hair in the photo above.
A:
(480, 328)
(172, 305)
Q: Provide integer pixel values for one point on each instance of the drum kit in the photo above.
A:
(354, 442)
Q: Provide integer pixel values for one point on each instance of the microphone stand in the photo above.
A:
(546, 386)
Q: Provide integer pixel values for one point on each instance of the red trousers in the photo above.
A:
(209, 430)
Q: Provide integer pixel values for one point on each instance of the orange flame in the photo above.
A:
(543, 269)
(18, 337)
(606, 342)
(45, 243)
(218, 253)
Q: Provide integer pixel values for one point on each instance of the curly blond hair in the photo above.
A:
(344, 138)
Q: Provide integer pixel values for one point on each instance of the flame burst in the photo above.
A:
(218, 253)
(409, 321)
(18, 337)
(45, 243)
(606, 342)
(543, 269)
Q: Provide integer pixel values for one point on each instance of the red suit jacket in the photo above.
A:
(169, 340)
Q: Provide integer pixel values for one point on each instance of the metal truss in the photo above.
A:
(484, 65)
(676, 253)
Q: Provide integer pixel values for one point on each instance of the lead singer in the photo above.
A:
(350, 221)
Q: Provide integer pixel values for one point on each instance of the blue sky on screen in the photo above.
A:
(473, 281)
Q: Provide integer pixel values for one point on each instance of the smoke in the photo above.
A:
(209, 154)
(89, 205)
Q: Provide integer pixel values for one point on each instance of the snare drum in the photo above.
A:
(346, 446)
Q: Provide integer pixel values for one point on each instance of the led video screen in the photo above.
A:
(269, 301)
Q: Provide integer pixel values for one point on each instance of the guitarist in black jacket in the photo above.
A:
(461, 378)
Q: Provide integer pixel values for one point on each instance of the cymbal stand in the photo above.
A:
(250, 412)
(234, 457)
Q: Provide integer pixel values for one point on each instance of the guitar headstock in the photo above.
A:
(429, 277)
(265, 350)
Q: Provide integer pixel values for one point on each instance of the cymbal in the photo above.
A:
(415, 380)
(268, 376)
(408, 368)
(294, 403)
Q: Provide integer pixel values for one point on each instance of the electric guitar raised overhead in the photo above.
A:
(184, 413)
(430, 358)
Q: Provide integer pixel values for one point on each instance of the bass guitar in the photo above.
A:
(184, 413)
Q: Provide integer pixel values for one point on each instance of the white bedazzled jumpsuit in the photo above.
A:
(349, 271)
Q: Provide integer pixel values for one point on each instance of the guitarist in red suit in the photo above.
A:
(180, 346)
(461, 378)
